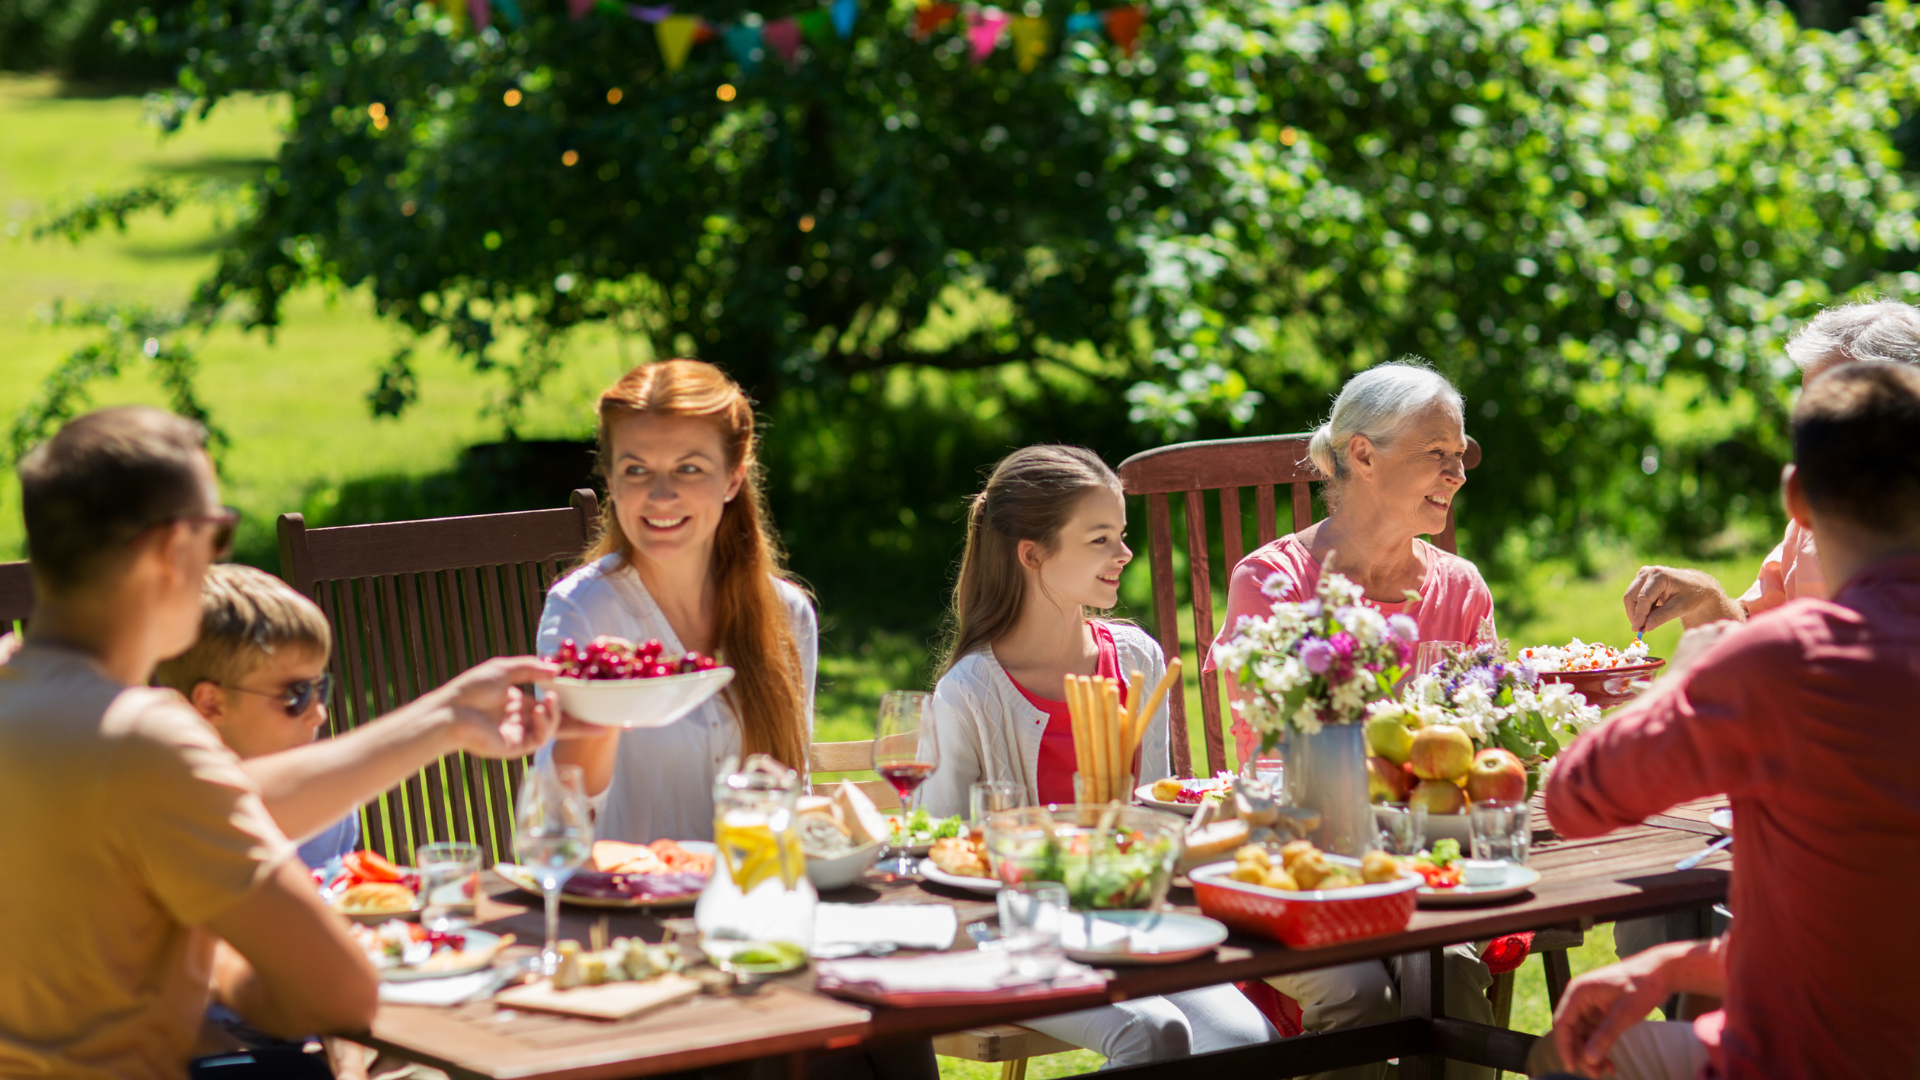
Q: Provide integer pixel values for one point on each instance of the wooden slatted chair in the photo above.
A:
(414, 603)
(850, 757)
(16, 596)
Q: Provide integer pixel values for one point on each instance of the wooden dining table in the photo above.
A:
(1625, 874)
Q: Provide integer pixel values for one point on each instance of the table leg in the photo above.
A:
(1423, 993)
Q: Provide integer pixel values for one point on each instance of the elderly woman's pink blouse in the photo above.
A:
(1455, 603)
(1791, 571)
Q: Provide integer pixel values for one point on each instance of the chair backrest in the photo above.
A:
(1224, 467)
(16, 596)
(846, 757)
(414, 603)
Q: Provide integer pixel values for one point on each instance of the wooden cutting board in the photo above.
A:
(608, 1001)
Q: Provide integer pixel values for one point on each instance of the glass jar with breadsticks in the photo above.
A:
(1107, 735)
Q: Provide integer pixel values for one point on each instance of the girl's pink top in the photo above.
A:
(1791, 571)
(1057, 759)
(1455, 603)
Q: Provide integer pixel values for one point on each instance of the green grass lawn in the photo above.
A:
(300, 428)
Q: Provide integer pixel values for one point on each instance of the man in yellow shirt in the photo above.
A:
(146, 862)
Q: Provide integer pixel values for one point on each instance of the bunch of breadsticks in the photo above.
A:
(1105, 735)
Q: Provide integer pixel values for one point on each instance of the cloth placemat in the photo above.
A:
(841, 930)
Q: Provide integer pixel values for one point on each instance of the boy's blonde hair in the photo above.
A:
(246, 615)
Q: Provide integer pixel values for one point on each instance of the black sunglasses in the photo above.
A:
(224, 523)
(298, 697)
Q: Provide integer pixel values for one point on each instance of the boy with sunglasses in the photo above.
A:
(258, 673)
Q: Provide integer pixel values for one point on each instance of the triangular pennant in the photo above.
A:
(783, 37)
(577, 9)
(817, 27)
(704, 32)
(480, 13)
(1030, 40)
(1084, 22)
(844, 12)
(743, 42)
(1123, 25)
(932, 17)
(983, 34)
(510, 10)
(650, 14)
(457, 11)
(676, 37)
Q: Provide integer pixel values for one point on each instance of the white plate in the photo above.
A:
(955, 881)
(1519, 880)
(523, 878)
(1139, 937)
(639, 703)
(1144, 793)
(479, 952)
(1722, 819)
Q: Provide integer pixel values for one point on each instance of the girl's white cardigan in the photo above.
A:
(988, 730)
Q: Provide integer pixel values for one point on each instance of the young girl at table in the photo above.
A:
(686, 556)
(1045, 545)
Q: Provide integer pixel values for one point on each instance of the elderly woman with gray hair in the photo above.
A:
(1886, 331)
(1394, 454)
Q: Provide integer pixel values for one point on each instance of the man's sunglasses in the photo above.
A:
(298, 697)
(224, 522)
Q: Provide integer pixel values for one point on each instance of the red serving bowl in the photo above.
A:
(1607, 687)
(1306, 920)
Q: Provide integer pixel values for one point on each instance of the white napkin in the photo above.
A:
(448, 991)
(973, 971)
(848, 929)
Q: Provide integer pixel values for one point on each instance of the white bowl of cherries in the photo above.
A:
(614, 682)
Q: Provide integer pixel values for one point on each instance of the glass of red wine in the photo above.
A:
(904, 754)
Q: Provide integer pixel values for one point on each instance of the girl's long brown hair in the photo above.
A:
(751, 630)
(1030, 496)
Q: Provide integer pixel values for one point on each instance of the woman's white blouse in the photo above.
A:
(662, 785)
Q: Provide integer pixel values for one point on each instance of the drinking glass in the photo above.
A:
(1500, 830)
(553, 835)
(905, 754)
(1430, 653)
(1031, 915)
(1403, 827)
(1272, 771)
(449, 883)
(988, 797)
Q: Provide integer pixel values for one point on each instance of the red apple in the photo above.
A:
(1441, 752)
(1386, 782)
(1497, 774)
(1439, 797)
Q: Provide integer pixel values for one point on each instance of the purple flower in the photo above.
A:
(1525, 673)
(1343, 644)
(1403, 627)
(1404, 650)
(1317, 655)
(1481, 677)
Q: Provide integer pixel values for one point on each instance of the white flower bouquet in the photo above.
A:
(1318, 662)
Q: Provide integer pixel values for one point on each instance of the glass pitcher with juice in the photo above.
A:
(755, 915)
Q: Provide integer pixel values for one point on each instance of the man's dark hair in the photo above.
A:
(1856, 445)
(101, 481)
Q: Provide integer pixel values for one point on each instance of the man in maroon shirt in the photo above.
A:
(1806, 718)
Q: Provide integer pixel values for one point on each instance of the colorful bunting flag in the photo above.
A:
(480, 14)
(932, 17)
(1029, 41)
(676, 34)
(510, 10)
(844, 13)
(1084, 22)
(457, 11)
(743, 42)
(983, 34)
(577, 9)
(650, 14)
(783, 36)
(1123, 25)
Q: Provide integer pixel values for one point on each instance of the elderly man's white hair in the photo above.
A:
(1883, 330)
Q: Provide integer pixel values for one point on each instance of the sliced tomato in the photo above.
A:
(370, 866)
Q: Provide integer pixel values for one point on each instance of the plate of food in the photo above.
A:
(616, 683)
(1604, 675)
(1453, 881)
(1305, 898)
(665, 873)
(1182, 795)
(370, 890)
(915, 832)
(405, 952)
(1139, 937)
(960, 862)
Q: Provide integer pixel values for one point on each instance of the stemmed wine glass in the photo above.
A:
(553, 835)
(905, 753)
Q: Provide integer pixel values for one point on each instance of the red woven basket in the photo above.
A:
(1305, 920)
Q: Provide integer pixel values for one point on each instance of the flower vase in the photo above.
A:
(1327, 773)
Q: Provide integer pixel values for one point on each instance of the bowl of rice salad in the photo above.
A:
(1604, 675)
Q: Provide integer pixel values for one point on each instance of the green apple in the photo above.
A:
(1390, 738)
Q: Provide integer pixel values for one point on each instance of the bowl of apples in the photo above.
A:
(612, 681)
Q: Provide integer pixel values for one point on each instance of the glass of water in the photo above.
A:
(1031, 915)
(1272, 771)
(552, 836)
(449, 883)
(989, 797)
(1403, 827)
(1500, 830)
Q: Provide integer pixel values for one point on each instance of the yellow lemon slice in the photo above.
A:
(753, 854)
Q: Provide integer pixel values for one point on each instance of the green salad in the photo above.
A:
(920, 828)
(1126, 872)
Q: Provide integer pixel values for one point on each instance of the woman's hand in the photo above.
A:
(1660, 594)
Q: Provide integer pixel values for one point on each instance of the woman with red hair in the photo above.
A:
(686, 555)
